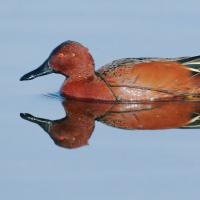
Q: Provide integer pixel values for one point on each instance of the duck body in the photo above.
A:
(124, 80)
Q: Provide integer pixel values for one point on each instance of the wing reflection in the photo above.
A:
(76, 128)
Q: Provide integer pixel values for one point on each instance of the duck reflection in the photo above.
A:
(76, 128)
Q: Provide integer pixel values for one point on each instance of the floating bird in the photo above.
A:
(124, 80)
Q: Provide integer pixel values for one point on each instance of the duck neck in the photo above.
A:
(82, 74)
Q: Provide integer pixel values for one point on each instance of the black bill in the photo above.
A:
(40, 71)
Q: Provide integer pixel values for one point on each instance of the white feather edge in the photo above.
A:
(192, 121)
(191, 68)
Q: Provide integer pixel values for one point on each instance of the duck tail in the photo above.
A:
(193, 63)
(194, 122)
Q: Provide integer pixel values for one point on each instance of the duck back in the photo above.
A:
(151, 79)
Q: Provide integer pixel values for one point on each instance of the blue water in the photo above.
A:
(117, 164)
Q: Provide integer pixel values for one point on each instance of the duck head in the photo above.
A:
(70, 59)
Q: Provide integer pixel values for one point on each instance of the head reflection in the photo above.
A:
(75, 129)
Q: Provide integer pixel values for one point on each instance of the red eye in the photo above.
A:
(61, 138)
(61, 55)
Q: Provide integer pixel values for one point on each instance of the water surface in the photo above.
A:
(117, 164)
